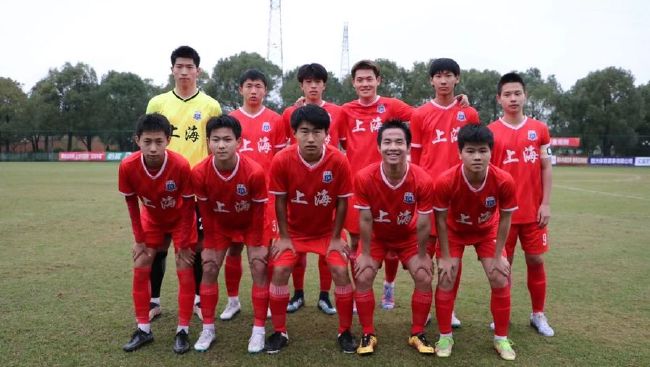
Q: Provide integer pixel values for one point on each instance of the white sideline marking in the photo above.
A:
(603, 193)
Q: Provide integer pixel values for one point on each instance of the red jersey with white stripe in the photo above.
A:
(435, 133)
(161, 193)
(473, 213)
(230, 195)
(519, 150)
(362, 122)
(262, 135)
(337, 119)
(394, 207)
(312, 190)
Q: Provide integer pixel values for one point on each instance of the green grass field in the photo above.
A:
(65, 280)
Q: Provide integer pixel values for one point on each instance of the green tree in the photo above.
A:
(224, 83)
(393, 79)
(481, 88)
(12, 105)
(543, 96)
(419, 89)
(643, 129)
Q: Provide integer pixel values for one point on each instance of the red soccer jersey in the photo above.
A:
(337, 118)
(519, 150)
(473, 214)
(312, 190)
(435, 132)
(232, 196)
(394, 208)
(362, 122)
(161, 194)
(262, 135)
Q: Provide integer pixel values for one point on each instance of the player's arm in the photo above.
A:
(336, 243)
(544, 211)
(445, 266)
(416, 139)
(463, 100)
(139, 246)
(423, 226)
(501, 264)
(364, 260)
(284, 242)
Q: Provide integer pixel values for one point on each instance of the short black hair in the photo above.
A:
(366, 65)
(312, 114)
(253, 74)
(444, 64)
(510, 78)
(153, 122)
(186, 51)
(395, 124)
(312, 71)
(223, 121)
(476, 134)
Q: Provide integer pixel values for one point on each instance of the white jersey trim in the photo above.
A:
(232, 174)
(241, 109)
(127, 194)
(312, 166)
(160, 172)
(440, 209)
(514, 127)
(346, 195)
(487, 172)
(385, 179)
(510, 209)
(416, 145)
(260, 200)
(362, 207)
(425, 212)
(444, 107)
(278, 192)
(371, 103)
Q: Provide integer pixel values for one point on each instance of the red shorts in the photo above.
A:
(380, 250)
(352, 217)
(317, 246)
(484, 249)
(270, 221)
(154, 233)
(223, 239)
(534, 240)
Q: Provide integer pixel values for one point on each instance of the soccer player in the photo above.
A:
(160, 179)
(232, 196)
(263, 135)
(311, 181)
(474, 202)
(312, 79)
(522, 148)
(435, 127)
(188, 109)
(363, 118)
(394, 199)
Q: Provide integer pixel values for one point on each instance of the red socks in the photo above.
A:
(420, 306)
(141, 294)
(233, 275)
(444, 308)
(343, 298)
(325, 275)
(366, 309)
(391, 264)
(260, 297)
(185, 295)
(500, 307)
(537, 286)
(278, 300)
(209, 299)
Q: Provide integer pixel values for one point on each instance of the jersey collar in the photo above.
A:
(487, 172)
(385, 179)
(232, 174)
(444, 107)
(514, 127)
(309, 165)
(371, 103)
(241, 109)
(160, 172)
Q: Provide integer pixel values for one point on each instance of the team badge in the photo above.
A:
(266, 127)
(409, 198)
(170, 185)
(381, 108)
(490, 202)
(241, 189)
(328, 176)
(197, 115)
(532, 135)
(460, 116)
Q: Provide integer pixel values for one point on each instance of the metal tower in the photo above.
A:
(345, 54)
(274, 43)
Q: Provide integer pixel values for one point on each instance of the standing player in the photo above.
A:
(435, 127)
(388, 195)
(231, 192)
(263, 136)
(311, 181)
(474, 202)
(188, 109)
(312, 79)
(522, 148)
(160, 179)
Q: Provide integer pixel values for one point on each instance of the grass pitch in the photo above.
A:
(65, 278)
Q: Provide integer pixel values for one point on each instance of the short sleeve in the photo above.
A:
(425, 194)
(279, 133)
(403, 111)
(442, 193)
(123, 182)
(198, 182)
(360, 193)
(278, 184)
(507, 194)
(259, 193)
(345, 183)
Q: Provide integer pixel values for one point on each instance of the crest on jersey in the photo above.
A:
(532, 135)
(197, 115)
(328, 177)
(409, 198)
(490, 202)
(266, 127)
(381, 108)
(170, 185)
(241, 189)
(460, 116)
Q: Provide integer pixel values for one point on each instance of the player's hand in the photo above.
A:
(501, 265)
(543, 215)
(423, 263)
(281, 245)
(362, 263)
(463, 100)
(445, 269)
(186, 255)
(337, 244)
(139, 249)
(300, 102)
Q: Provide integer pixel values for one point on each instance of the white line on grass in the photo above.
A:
(602, 193)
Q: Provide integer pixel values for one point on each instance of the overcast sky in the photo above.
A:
(568, 38)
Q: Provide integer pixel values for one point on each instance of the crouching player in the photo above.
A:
(161, 179)
(312, 183)
(232, 196)
(388, 195)
(474, 202)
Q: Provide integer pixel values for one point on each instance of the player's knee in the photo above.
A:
(446, 284)
(498, 280)
(257, 264)
(365, 278)
(281, 274)
(534, 259)
(422, 278)
(339, 274)
(210, 270)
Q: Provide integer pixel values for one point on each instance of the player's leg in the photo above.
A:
(421, 299)
(431, 250)
(141, 294)
(233, 274)
(534, 241)
(186, 293)
(364, 297)
(198, 264)
(212, 260)
(278, 299)
(158, 267)
(343, 296)
(298, 275)
(258, 263)
(391, 266)
(325, 278)
(445, 299)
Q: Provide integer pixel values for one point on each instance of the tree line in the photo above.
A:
(604, 108)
